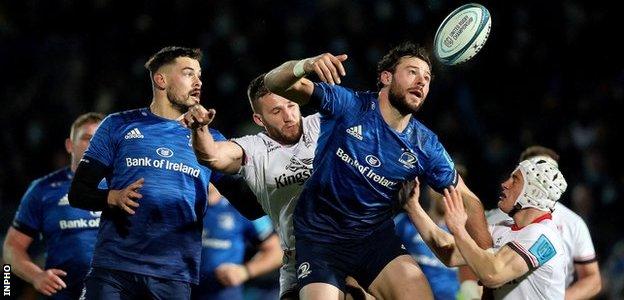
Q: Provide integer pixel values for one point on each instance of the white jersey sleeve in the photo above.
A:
(535, 245)
(575, 234)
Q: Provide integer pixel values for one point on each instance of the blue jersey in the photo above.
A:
(225, 236)
(163, 237)
(69, 233)
(442, 279)
(360, 163)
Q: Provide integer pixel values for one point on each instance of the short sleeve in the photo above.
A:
(259, 230)
(102, 145)
(440, 170)
(534, 245)
(28, 218)
(583, 251)
(334, 100)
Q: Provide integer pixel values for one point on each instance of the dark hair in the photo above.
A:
(256, 90)
(538, 151)
(87, 118)
(169, 54)
(390, 61)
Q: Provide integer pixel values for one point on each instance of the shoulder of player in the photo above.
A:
(546, 227)
(565, 215)
(58, 176)
(129, 115)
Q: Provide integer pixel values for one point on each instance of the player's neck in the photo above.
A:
(163, 108)
(393, 117)
(524, 217)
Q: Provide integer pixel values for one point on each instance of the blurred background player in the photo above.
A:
(583, 279)
(275, 163)
(69, 233)
(224, 240)
(149, 244)
(444, 281)
(369, 143)
(528, 251)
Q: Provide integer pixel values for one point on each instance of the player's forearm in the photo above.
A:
(440, 241)
(476, 225)
(584, 288)
(21, 263)
(482, 262)
(280, 79)
(268, 258)
(213, 154)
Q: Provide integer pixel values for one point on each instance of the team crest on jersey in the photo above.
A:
(408, 159)
(373, 161)
(164, 152)
(299, 164)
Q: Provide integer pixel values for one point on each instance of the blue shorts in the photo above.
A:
(361, 259)
(107, 284)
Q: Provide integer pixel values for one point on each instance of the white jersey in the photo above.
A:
(276, 174)
(574, 232)
(541, 246)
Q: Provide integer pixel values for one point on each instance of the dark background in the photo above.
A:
(551, 73)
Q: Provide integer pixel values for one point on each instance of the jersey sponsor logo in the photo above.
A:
(271, 146)
(302, 169)
(164, 152)
(79, 223)
(355, 131)
(64, 201)
(226, 221)
(213, 243)
(365, 170)
(373, 161)
(134, 134)
(408, 159)
(162, 164)
(304, 270)
(543, 250)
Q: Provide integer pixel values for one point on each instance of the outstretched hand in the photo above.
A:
(455, 215)
(328, 67)
(197, 116)
(410, 195)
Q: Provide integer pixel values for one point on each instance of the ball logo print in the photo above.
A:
(462, 34)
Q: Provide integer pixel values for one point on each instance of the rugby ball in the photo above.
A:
(462, 34)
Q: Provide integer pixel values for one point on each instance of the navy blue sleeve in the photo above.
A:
(101, 147)
(258, 231)
(28, 218)
(334, 100)
(440, 170)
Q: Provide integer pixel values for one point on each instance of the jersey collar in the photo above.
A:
(546, 216)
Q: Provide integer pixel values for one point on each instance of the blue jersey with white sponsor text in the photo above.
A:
(442, 279)
(225, 236)
(163, 237)
(69, 233)
(360, 163)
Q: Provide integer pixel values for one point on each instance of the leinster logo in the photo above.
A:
(408, 159)
(164, 152)
(373, 161)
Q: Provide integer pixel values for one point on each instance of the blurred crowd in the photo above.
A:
(549, 74)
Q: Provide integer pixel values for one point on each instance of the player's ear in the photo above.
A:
(160, 81)
(257, 118)
(385, 77)
(69, 145)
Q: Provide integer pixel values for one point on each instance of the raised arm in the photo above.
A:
(476, 224)
(288, 80)
(223, 156)
(492, 269)
(438, 240)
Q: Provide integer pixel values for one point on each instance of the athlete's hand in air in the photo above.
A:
(455, 215)
(410, 194)
(48, 282)
(231, 274)
(328, 67)
(124, 199)
(197, 116)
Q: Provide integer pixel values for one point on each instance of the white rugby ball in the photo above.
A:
(462, 34)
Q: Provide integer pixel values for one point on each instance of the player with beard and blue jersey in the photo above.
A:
(369, 145)
(69, 233)
(149, 243)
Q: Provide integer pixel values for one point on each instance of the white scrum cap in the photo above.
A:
(543, 183)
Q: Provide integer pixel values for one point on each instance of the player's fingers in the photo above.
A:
(319, 73)
(58, 272)
(326, 72)
(127, 209)
(447, 201)
(342, 57)
(330, 62)
(137, 184)
(338, 64)
(47, 290)
(58, 282)
(211, 115)
(134, 195)
(132, 204)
